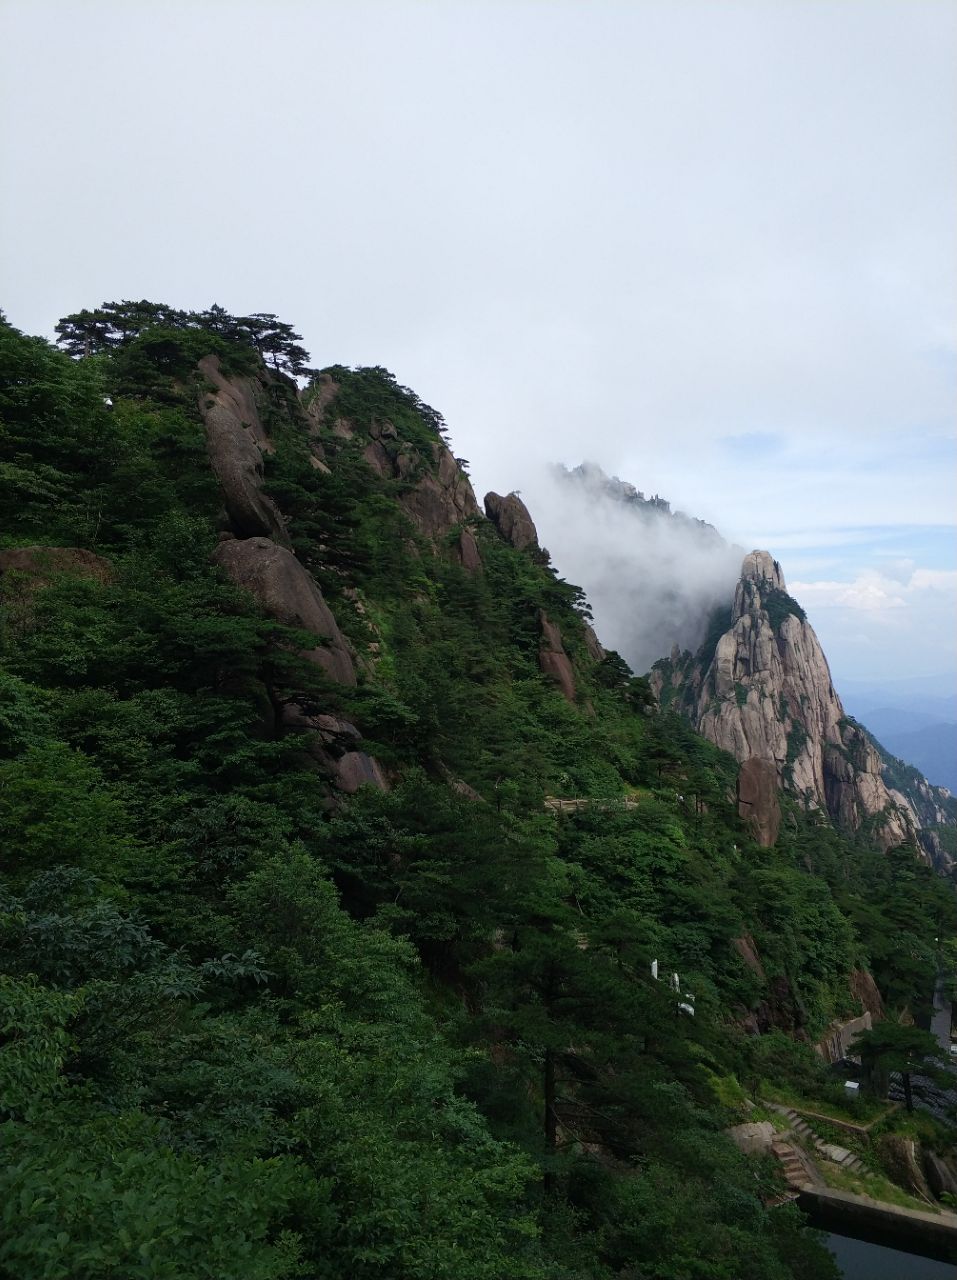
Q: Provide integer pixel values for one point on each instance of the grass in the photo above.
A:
(865, 1112)
(873, 1185)
(758, 1112)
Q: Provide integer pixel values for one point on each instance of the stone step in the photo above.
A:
(792, 1166)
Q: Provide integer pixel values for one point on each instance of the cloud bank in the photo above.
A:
(652, 576)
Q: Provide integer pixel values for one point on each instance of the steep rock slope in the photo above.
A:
(764, 691)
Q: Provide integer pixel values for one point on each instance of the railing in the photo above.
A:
(559, 804)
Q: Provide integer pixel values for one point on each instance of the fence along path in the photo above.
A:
(559, 804)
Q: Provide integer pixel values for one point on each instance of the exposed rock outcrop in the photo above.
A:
(442, 496)
(864, 988)
(939, 1173)
(593, 646)
(765, 693)
(334, 745)
(758, 801)
(437, 495)
(356, 769)
(468, 549)
(553, 659)
(236, 441)
(900, 1157)
(510, 516)
(748, 951)
(288, 593)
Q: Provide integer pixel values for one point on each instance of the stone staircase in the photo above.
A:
(794, 1165)
(826, 1150)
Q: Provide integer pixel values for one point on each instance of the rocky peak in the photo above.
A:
(765, 693)
(511, 518)
(762, 569)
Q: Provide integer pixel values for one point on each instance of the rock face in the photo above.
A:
(510, 517)
(287, 591)
(765, 694)
(593, 646)
(334, 744)
(442, 497)
(553, 659)
(758, 801)
(864, 988)
(469, 554)
(939, 1173)
(236, 441)
(900, 1156)
(437, 494)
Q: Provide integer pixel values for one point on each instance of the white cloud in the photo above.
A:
(870, 591)
(880, 625)
(873, 591)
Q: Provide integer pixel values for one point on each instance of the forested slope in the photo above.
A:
(299, 974)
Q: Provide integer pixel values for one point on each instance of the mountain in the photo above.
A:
(922, 731)
(341, 857)
(760, 688)
(932, 749)
(932, 697)
(746, 667)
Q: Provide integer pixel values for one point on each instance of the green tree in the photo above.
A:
(892, 1046)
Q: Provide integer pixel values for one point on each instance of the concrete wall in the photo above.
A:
(839, 1038)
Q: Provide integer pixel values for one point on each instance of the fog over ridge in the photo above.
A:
(652, 576)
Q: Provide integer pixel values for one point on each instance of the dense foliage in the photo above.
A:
(248, 1030)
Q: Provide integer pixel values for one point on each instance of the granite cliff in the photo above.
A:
(760, 688)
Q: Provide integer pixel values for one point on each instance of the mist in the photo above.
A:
(652, 576)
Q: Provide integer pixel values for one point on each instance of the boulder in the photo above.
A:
(510, 516)
(287, 592)
(356, 769)
(753, 1139)
(758, 801)
(236, 441)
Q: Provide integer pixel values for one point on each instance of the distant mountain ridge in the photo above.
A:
(921, 729)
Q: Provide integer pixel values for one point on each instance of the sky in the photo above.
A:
(708, 245)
